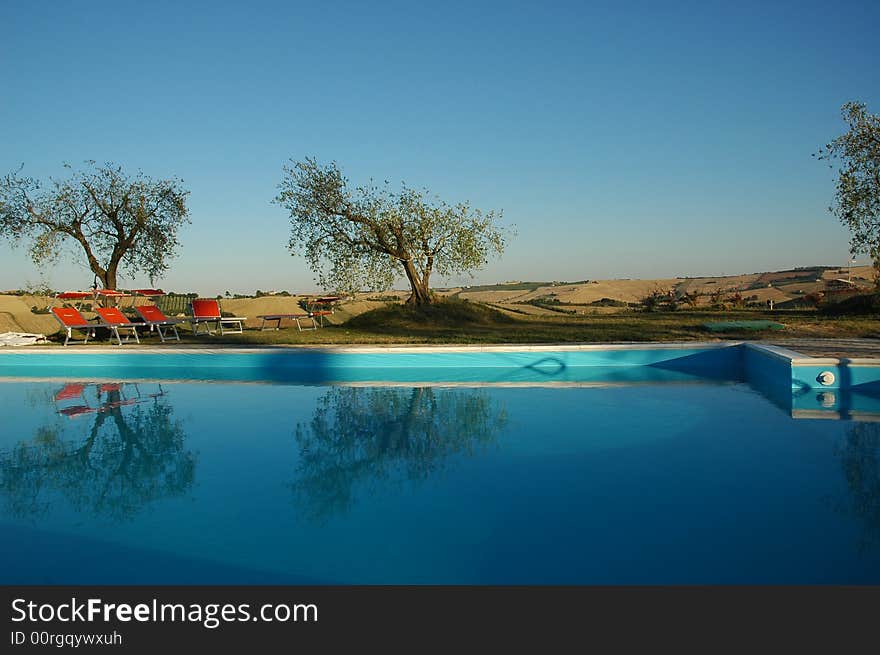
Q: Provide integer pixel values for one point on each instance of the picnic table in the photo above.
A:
(322, 306)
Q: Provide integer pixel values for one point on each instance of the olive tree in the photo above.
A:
(857, 194)
(115, 220)
(365, 438)
(366, 237)
(130, 456)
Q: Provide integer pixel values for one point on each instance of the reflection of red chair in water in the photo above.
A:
(110, 387)
(76, 391)
(70, 391)
(78, 410)
(73, 391)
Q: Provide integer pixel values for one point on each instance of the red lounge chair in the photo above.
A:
(114, 319)
(148, 293)
(155, 318)
(78, 296)
(70, 320)
(111, 294)
(207, 311)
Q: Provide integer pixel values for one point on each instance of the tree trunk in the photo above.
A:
(421, 292)
(109, 279)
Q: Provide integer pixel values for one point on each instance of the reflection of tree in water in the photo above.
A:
(132, 454)
(361, 435)
(860, 458)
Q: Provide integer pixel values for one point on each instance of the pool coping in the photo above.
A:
(376, 349)
(799, 359)
(780, 353)
(770, 350)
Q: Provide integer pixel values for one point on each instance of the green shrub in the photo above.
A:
(864, 305)
(442, 313)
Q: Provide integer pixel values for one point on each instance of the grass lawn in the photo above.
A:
(458, 322)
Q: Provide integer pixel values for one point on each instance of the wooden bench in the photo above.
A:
(293, 317)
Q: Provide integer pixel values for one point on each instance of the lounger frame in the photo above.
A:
(116, 326)
(87, 329)
(162, 326)
(219, 319)
(277, 318)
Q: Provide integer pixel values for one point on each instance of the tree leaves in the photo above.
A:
(363, 238)
(857, 194)
(117, 221)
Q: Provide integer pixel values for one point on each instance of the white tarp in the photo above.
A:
(20, 339)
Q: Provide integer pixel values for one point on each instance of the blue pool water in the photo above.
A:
(669, 479)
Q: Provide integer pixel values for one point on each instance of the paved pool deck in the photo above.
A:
(837, 348)
(840, 348)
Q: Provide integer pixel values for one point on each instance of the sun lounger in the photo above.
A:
(207, 311)
(70, 320)
(72, 296)
(155, 318)
(114, 319)
(293, 317)
(111, 294)
(147, 293)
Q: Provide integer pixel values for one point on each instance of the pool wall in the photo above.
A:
(772, 364)
(535, 364)
(772, 369)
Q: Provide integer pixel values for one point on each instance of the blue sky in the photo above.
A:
(623, 139)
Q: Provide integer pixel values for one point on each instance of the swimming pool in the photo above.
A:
(635, 465)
